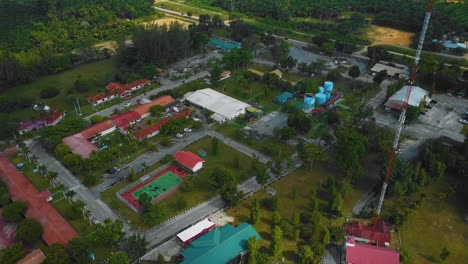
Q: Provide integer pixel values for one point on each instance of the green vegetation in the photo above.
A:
(46, 37)
(303, 182)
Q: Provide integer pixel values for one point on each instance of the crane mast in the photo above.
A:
(404, 106)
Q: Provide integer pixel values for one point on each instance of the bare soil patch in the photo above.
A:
(389, 36)
(167, 21)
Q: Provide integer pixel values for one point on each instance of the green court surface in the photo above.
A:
(159, 186)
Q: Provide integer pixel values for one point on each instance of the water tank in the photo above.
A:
(328, 86)
(320, 90)
(309, 101)
(320, 99)
(327, 94)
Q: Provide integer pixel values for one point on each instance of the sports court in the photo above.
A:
(157, 187)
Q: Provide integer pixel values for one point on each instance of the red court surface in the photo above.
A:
(56, 229)
(132, 200)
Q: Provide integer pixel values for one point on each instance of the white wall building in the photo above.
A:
(224, 107)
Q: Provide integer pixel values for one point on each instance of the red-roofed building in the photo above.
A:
(100, 98)
(375, 235)
(124, 120)
(101, 129)
(55, 228)
(189, 160)
(153, 130)
(144, 109)
(116, 89)
(80, 144)
(366, 254)
(34, 257)
(52, 119)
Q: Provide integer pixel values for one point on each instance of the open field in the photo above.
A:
(389, 36)
(168, 21)
(302, 181)
(437, 223)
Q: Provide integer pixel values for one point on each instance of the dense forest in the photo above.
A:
(47, 36)
(447, 16)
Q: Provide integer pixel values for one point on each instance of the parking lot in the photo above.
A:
(446, 113)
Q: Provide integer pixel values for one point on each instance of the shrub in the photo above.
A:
(49, 92)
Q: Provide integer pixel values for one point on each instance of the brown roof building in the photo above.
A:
(35, 257)
(56, 229)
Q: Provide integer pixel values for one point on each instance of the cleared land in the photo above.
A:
(437, 223)
(389, 36)
(168, 21)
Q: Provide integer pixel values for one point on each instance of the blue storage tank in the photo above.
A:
(309, 102)
(320, 90)
(320, 99)
(328, 95)
(328, 86)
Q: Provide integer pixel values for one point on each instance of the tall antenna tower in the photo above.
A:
(404, 106)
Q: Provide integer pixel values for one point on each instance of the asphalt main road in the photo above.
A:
(99, 210)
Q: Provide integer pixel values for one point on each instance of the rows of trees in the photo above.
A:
(49, 36)
(401, 14)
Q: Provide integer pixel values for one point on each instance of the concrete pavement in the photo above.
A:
(99, 210)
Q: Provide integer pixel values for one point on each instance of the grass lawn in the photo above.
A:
(437, 223)
(80, 225)
(183, 9)
(99, 71)
(303, 181)
(133, 218)
(249, 92)
(36, 178)
(235, 132)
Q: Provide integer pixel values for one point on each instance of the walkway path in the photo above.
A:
(99, 210)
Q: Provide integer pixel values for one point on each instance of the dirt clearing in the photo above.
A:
(384, 35)
(167, 21)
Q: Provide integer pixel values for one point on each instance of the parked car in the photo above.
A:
(179, 135)
(463, 121)
(127, 104)
(187, 129)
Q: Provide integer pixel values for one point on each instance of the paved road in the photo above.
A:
(98, 208)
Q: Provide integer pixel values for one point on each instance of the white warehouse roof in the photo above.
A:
(397, 99)
(218, 103)
(195, 230)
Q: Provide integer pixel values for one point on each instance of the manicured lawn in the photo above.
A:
(82, 226)
(437, 223)
(36, 178)
(235, 132)
(303, 181)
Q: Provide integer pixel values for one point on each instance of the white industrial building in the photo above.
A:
(418, 95)
(397, 71)
(224, 107)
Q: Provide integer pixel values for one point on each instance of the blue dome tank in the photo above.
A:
(328, 86)
(309, 101)
(320, 99)
(328, 95)
(320, 90)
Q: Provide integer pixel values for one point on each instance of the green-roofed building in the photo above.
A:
(220, 245)
(224, 44)
(284, 97)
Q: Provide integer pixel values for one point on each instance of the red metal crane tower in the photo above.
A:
(404, 106)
